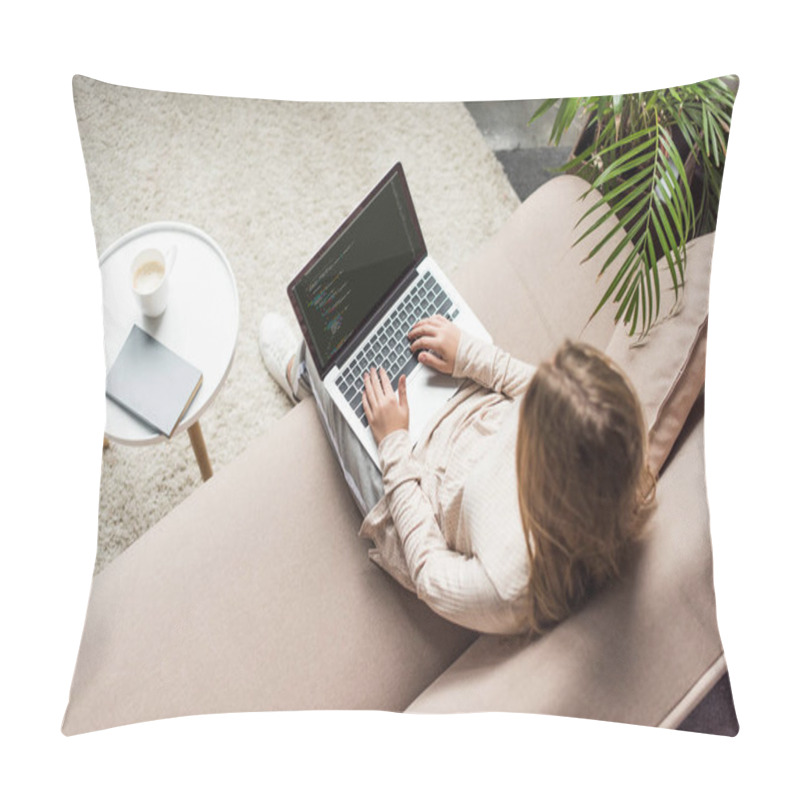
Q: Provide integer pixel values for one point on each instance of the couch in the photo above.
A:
(255, 593)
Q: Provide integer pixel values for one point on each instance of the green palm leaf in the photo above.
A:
(630, 155)
(657, 196)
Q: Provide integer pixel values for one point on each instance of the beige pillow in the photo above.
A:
(668, 370)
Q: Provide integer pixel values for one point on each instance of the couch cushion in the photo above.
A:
(255, 594)
(632, 654)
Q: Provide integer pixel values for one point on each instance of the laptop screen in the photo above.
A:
(359, 266)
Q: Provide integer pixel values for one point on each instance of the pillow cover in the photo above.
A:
(669, 371)
(251, 591)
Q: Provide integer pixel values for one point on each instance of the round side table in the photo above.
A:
(200, 323)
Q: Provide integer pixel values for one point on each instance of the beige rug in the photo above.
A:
(269, 181)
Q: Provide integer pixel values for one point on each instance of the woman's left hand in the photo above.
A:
(386, 411)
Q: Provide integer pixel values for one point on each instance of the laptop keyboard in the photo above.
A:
(388, 346)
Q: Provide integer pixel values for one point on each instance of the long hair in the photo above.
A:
(582, 478)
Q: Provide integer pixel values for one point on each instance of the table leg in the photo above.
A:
(200, 452)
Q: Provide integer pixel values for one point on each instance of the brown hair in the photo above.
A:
(582, 478)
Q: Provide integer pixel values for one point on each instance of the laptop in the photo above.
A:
(358, 297)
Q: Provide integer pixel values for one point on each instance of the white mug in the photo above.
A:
(149, 279)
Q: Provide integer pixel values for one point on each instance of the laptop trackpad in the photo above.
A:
(428, 391)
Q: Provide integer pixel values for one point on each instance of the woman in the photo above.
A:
(520, 499)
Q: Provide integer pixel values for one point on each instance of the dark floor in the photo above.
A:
(529, 161)
(522, 149)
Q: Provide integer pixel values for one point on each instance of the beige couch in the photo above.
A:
(256, 594)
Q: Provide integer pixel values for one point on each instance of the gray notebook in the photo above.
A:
(152, 381)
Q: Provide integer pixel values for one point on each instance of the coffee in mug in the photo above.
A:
(149, 273)
(148, 276)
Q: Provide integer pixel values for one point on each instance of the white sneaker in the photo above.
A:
(278, 343)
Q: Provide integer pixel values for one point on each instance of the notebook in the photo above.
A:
(153, 382)
(359, 296)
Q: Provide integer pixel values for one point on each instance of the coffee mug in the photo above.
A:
(150, 279)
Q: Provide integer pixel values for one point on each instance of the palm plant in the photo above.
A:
(657, 158)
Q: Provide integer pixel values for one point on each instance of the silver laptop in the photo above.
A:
(358, 297)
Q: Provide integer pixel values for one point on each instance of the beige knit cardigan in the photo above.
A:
(449, 527)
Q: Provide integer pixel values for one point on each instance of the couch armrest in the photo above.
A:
(256, 594)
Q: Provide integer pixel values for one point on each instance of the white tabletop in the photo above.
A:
(201, 321)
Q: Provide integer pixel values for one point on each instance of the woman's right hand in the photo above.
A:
(441, 337)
